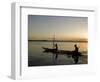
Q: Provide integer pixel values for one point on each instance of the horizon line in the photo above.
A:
(61, 40)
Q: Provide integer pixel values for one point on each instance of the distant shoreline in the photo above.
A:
(55, 41)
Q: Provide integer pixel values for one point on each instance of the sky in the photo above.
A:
(42, 27)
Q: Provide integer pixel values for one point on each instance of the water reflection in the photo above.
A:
(36, 56)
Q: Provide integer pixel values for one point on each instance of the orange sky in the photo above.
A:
(45, 27)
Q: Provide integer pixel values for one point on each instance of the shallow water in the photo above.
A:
(36, 56)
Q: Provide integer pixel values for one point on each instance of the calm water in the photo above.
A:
(36, 56)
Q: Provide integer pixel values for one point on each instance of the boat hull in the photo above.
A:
(59, 52)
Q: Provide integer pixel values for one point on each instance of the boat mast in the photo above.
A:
(53, 41)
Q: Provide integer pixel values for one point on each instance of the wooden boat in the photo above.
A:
(59, 52)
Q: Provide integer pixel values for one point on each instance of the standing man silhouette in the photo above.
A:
(75, 54)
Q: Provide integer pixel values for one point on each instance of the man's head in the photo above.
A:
(75, 45)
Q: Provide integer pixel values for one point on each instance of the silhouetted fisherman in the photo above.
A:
(75, 54)
(56, 49)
